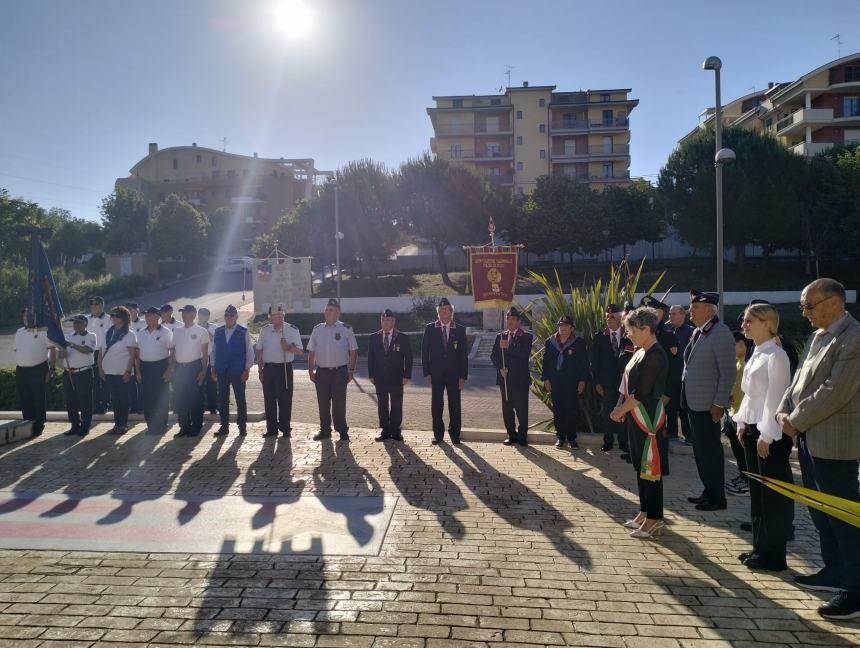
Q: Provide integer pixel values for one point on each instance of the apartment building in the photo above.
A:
(257, 190)
(819, 110)
(531, 131)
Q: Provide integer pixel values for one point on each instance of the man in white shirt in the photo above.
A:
(232, 357)
(153, 371)
(167, 319)
(278, 345)
(78, 376)
(191, 365)
(98, 322)
(35, 357)
(210, 386)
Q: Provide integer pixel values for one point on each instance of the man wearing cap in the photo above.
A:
(98, 322)
(77, 363)
(708, 378)
(210, 387)
(232, 357)
(277, 347)
(445, 363)
(331, 365)
(191, 366)
(607, 365)
(35, 358)
(167, 319)
(136, 324)
(153, 371)
(389, 365)
(683, 331)
(512, 349)
(564, 373)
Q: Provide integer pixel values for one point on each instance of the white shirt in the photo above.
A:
(270, 343)
(767, 375)
(249, 346)
(115, 359)
(210, 327)
(154, 344)
(99, 326)
(332, 344)
(31, 347)
(175, 324)
(189, 342)
(74, 358)
(139, 325)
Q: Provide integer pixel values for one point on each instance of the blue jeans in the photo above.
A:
(839, 540)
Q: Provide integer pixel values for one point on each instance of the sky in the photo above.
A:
(85, 85)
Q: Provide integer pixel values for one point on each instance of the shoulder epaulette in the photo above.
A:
(294, 326)
(346, 325)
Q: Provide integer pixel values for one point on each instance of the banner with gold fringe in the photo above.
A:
(838, 507)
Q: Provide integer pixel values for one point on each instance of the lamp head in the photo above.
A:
(724, 156)
(712, 63)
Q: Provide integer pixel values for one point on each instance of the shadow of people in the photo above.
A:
(339, 481)
(209, 478)
(268, 481)
(426, 487)
(514, 502)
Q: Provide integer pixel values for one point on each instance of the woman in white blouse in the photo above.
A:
(767, 375)
(115, 365)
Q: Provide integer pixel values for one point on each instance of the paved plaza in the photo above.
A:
(475, 545)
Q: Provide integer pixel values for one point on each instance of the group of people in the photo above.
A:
(651, 375)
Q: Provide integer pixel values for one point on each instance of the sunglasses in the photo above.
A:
(810, 307)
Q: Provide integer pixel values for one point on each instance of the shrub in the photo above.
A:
(9, 391)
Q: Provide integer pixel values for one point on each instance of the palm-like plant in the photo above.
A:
(587, 305)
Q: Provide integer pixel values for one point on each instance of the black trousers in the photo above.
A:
(740, 454)
(134, 405)
(708, 452)
(650, 492)
(118, 392)
(278, 396)
(673, 416)
(515, 412)
(772, 513)
(189, 396)
(78, 389)
(438, 389)
(226, 380)
(331, 398)
(389, 407)
(839, 540)
(210, 394)
(565, 410)
(100, 389)
(32, 394)
(154, 394)
(611, 429)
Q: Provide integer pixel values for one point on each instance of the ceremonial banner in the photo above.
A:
(494, 276)
(282, 280)
(45, 311)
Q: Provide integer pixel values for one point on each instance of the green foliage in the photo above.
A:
(74, 238)
(124, 218)
(220, 223)
(177, 229)
(587, 305)
(9, 400)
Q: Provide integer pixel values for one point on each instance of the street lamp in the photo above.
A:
(721, 156)
(338, 235)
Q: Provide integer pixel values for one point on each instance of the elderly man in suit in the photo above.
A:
(822, 409)
(709, 374)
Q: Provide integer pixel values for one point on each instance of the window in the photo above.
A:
(199, 159)
(519, 139)
(569, 147)
(568, 121)
(495, 171)
(495, 102)
(519, 166)
(456, 151)
(608, 144)
(605, 97)
(493, 149)
(543, 154)
(851, 106)
(231, 173)
(214, 161)
(852, 73)
(542, 128)
(607, 118)
(608, 170)
(768, 124)
(457, 103)
(175, 163)
(216, 174)
(519, 114)
(541, 103)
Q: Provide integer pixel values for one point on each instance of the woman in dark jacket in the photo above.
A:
(564, 374)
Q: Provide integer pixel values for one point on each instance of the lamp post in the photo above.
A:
(721, 157)
(337, 235)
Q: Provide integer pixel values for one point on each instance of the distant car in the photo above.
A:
(235, 264)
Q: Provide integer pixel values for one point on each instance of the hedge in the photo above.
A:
(9, 391)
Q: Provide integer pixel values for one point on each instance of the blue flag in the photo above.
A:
(46, 312)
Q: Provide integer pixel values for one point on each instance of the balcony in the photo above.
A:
(597, 150)
(481, 156)
(473, 129)
(560, 126)
(617, 177)
(810, 149)
(804, 117)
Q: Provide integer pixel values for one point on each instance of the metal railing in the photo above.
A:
(597, 149)
(582, 124)
(465, 129)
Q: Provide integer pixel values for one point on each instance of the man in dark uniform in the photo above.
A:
(511, 352)
(445, 361)
(564, 374)
(389, 365)
(232, 358)
(77, 364)
(606, 371)
(98, 322)
(683, 331)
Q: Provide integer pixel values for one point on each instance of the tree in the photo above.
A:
(125, 218)
(74, 238)
(220, 224)
(759, 189)
(177, 229)
(632, 214)
(446, 204)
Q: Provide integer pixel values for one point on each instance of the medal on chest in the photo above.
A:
(337, 336)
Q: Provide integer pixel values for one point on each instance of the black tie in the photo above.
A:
(385, 342)
(614, 342)
(445, 334)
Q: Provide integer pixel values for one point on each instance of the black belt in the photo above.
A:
(185, 364)
(278, 364)
(79, 369)
(331, 368)
(143, 362)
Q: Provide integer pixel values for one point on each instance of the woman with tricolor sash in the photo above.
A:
(641, 404)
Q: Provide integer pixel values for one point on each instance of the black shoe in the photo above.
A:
(606, 447)
(436, 441)
(322, 435)
(820, 582)
(745, 556)
(153, 431)
(625, 456)
(344, 436)
(559, 444)
(182, 433)
(382, 437)
(223, 430)
(697, 500)
(100, 412)
(845, 605)
(746, 526)
(523, 442)
(118, 430)
(287, 433)
(509, 441)
(72, 432)
(397, 437)
(710, 506)
(213, 412)
(270, 433)
(83, 433)
(455, 441)
(574, 444)
(760, 564)
(243, 431)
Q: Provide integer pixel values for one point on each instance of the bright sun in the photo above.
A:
(293, 18)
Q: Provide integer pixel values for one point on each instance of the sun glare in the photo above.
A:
(293, 18)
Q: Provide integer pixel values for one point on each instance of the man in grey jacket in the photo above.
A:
(822, 408)
(709, 374)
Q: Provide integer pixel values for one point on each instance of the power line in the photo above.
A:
(48, 182)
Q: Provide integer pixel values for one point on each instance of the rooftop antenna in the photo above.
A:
(838, 39)
(508, 69)
(223, 141)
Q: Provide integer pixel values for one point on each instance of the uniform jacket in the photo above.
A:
(606, 366)
(675, 368)
(569, 364)
(516, 358)
(388, 369)
(439, 361)
(709, 368)
(823, 400)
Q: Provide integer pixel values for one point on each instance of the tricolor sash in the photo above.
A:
(649, 464)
